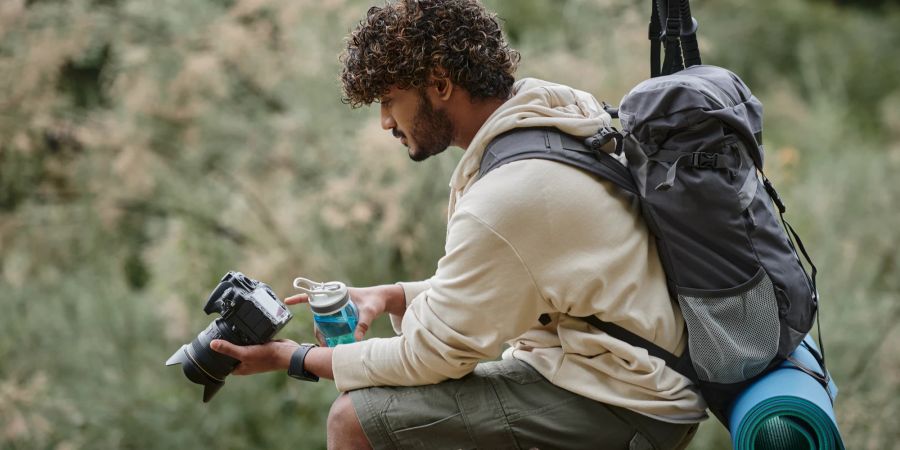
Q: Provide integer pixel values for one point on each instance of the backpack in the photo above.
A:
(693, 144)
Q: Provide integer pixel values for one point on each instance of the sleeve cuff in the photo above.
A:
(411, 290)
(348, 367)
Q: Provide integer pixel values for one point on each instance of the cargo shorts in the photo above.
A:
(505, 405)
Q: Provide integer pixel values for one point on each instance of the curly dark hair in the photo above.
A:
(405, 41)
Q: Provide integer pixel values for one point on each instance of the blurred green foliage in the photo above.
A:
(146, 148)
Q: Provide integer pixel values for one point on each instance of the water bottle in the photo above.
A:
(334, 313)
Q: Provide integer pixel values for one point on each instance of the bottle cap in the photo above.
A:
(324, 298)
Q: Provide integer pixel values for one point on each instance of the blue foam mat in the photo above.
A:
(787, 409)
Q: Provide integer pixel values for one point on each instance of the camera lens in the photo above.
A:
(250, 314)
(203, 365)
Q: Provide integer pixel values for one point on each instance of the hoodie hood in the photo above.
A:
(534, 103)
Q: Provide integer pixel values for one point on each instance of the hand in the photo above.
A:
(371, 302)
(273, 355)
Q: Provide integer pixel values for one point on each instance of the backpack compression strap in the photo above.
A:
(551, 144)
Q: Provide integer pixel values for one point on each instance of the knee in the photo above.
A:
(343, 425)
(342, 413)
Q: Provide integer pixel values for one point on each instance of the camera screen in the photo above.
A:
(269, 304)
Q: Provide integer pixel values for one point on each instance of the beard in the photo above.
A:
(431, 133)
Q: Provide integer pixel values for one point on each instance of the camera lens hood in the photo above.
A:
(203, 365)
(195, 372)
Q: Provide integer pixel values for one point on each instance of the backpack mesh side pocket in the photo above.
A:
(733, 333)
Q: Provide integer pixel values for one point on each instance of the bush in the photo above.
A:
(146, 148)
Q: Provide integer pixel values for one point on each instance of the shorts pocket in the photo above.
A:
(732, 333)
(516, 371)
(434, 423)
(434, 434)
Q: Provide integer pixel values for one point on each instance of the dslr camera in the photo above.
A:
(250, 314)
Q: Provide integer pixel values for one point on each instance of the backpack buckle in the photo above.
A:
(702, 160)
(612, 111)
(604, 135)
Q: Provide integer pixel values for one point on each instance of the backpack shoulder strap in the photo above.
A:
(554, 145)
(551, 144)
(681, 364)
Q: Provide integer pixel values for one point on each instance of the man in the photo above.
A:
(530, 240)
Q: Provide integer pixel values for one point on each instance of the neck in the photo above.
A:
(469, 118)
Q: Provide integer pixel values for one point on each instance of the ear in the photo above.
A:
(443, 86)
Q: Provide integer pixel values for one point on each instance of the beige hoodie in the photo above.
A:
(537, 237)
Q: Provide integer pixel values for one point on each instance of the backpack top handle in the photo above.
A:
(671, 22)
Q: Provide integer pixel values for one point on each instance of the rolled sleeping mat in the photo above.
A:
(787, 409)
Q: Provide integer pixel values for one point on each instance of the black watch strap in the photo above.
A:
(295, 369)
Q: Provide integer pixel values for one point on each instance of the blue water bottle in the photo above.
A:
(334, 313)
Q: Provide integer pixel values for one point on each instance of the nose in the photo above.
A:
(387, 121)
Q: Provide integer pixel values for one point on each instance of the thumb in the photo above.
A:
(226, 348)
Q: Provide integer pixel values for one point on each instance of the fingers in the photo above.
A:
(273, 355)
(241, 369)
(366, 316)
(227, 348)
(295, 299)
(320, 338)
(361, 329)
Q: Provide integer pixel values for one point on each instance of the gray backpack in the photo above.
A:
(693, 144)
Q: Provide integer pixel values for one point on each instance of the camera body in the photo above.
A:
(250, 309)
(251, 314)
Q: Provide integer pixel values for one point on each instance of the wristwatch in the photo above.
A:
(295, 369)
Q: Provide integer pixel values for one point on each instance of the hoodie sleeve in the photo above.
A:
(464, 316)
(411, 290)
